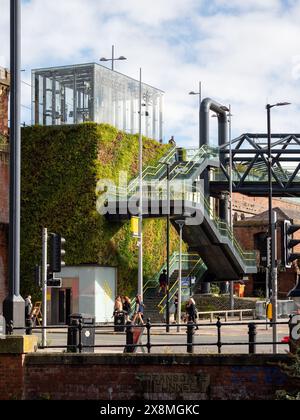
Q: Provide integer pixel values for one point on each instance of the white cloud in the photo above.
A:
(244, 52)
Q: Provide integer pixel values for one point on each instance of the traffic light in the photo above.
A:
(288, 256)
(57, 253)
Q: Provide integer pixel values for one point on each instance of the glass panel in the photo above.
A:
(90, 92)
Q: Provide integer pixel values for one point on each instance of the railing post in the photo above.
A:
(226, 316)
(291, 333)
(148, 326)
(252, 338)
(29, 325)
(211, 318)
(129, 338)
(10, 328)
(190, 337)
(80, 328)
(219, 343)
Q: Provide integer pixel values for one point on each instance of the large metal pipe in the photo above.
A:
(208, 105)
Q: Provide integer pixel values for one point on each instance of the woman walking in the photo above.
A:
(127, 307)
(192, 312)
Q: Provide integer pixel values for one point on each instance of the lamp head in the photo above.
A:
(269, 106)
(122, 58)
(180, 223)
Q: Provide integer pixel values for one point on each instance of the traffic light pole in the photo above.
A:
(44, 285)
(274, 283)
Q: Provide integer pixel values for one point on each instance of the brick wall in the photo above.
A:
(143, 377)
(4, 94)
(4, 186)
(3, 263)
(4, 218)
(245, 232)
(11, 376)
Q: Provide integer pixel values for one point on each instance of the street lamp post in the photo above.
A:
(113, 59)
(230, 192)
(168, 247)
(181, 224)
(200, 100)
(272, 228)
(140, 268)
(14, 306)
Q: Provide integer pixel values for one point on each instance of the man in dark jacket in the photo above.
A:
(163, 281)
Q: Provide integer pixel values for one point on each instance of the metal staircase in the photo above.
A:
(154, 304)
(212, 239)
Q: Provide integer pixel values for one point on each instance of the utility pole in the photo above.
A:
(44, 284)
(231, 199)
(14, 305)
(181, 224)
(272, 228)
(168, 249)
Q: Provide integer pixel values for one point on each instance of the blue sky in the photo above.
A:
(245, 52)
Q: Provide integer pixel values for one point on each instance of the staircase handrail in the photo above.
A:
(161, 306)
(154, 281)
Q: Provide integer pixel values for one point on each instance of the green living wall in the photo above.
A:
(60, 170)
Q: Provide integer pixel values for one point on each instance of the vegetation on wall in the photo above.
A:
(60, 169)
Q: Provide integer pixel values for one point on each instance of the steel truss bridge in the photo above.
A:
(250, 166)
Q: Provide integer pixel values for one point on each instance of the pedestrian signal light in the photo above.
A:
(289, 243)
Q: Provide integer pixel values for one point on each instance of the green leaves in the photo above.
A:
(60, 170)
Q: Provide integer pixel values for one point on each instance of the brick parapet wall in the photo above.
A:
(144, 377)
(4, 185)
(11, 376)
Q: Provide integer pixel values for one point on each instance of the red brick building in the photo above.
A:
(251, 225)
(4, 183)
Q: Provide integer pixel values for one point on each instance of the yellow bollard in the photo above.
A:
(270, 311)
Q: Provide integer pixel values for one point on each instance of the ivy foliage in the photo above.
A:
(60, 170)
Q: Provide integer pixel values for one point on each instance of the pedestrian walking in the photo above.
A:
(127, 307)
(176, 307)
(163, 283)
(192, 311)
